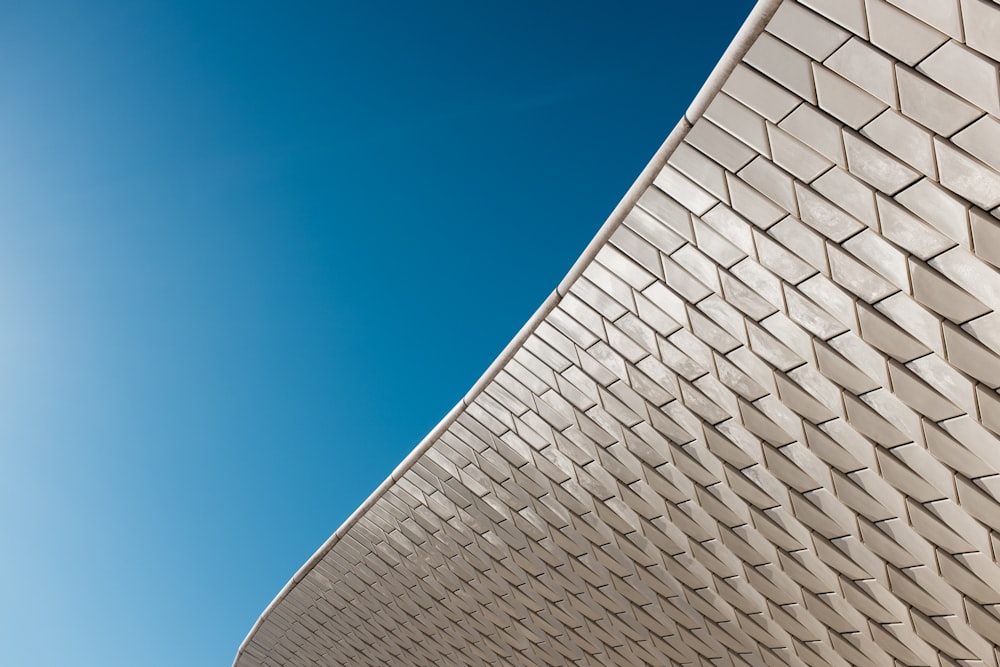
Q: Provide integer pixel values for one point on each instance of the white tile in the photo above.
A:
(850, 194)
(684, 191)
(982, 26)
(783, 64)
(900, 35)
(931, 105)
(946, 212)
(876, 167)
(909, 232)
(982, 139)
(760, 94)
(818, 131)
(848, 13)
(824, 217)
(966, 176)
(772, 181)
(719, 145)
(965, 72)
(903, 138)
(843, 100)
(794, 156)
(942, 14)
(806, 31)
(739, 121)
(867, 68)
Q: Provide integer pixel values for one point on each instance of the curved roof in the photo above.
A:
(758, 421)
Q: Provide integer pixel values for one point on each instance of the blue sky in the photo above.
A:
(250, 253)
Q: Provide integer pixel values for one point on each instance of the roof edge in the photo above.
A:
(752, 27)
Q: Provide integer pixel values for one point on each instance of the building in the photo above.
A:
(757, 423)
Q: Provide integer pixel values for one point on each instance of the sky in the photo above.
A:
(251, 253)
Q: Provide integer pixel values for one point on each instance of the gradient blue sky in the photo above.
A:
(250, 253)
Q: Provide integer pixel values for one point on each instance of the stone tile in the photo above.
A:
(844, 100)
(848, 13)
(771, 181)
(783, 64)
(966, 73)
(943, 210)
(824, 217)
(739, 121)
(943, 296)
(806, 31)
(900, 34)
(760, 94)
(966, 176)
(905, 139)
(867, 68)
(942, 14)
(684, 191)
(982, 25)
(719, 145)
(795, 157)
(931, 105)
(875, 166)
(850, 194)
(982, 139)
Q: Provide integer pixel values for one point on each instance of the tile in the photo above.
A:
(806, 31)
(857, 278)
(971, 357)
(876, 167)
(943, 210)
(942, 14)
(832, 298)
(666, 211)
(760, 94)
(715, 245)
(970, 273)
(986, 236)
(783, 64)
(883, 257)
(985, 329)
(919, 395)
(982, 25)
(752, 205)
(931, 105)
(966, 176)
(771, 181)
(887, 337)
(818, 131)
(922, 323)
(867, 68)
(653, 230)
(795, 157)
(739, 121)
(942, 296)
(901, 35)
(780, 261)
(947, 381)
(824, 217)
(719, 145)
(703, 171)
(848, 13)
(802, 241)
(732, 226)
(903, 138)
(965, 73)
(848, 193)
(844, 100)
(684, 191)
(982, 139)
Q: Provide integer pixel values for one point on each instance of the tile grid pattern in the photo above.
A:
(762, 427)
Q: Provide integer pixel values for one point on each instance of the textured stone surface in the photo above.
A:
(761, 427)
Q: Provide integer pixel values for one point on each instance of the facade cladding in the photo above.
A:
(757, 424)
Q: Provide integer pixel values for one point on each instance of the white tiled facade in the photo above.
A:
(757, 425)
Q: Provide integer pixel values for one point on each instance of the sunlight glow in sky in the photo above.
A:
(252, 252)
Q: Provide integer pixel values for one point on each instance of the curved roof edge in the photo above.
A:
(752, 27)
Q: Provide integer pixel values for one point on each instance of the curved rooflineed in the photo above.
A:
(758, 421)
